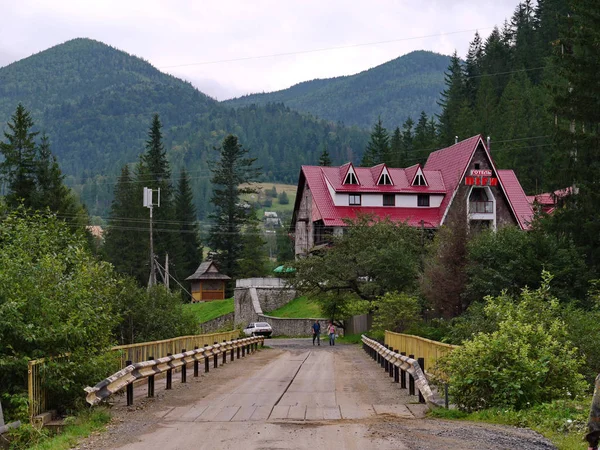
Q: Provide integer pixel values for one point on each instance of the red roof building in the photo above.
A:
(419, 196)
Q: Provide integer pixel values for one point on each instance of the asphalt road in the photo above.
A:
(296, 396)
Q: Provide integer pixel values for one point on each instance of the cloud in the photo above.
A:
(188, 32)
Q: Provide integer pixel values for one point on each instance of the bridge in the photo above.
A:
(294, 395)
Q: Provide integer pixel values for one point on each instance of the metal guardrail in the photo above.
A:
(148, 369)
(38, 394)
(397, 366)
(430, 350)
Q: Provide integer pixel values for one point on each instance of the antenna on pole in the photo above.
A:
(148, 203)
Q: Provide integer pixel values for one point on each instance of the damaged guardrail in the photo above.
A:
(398, 365)
(148, 369)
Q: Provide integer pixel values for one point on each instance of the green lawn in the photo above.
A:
(211, 310)
(299, 308)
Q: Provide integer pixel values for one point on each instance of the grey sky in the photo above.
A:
(179, 32)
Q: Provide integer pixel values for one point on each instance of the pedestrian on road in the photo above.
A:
(316, 329)
(594, 419)
(331, 331)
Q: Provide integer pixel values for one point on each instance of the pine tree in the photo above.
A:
(408, 158)
(485, 106)
(378, 148)
(19, 165)
(253, 258)
(324, 159)
(452, 100)
(421, 140)
(496, 58)
(126, 238)
(188, 253)
(473, 68)
(233, 170)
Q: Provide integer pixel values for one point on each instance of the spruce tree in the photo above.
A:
(19, 165)
(577, 136)
(188, 253)
(231, 175)
(324, 159)
(396, 148)
(253, 257)
(378, 147)
(126, 239)
(421, 139)
(473, 67)
(452, 100)
(408, 157)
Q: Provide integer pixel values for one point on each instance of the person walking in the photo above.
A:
(331, 331)
(316, 329)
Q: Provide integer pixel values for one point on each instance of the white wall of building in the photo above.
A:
(402, 200)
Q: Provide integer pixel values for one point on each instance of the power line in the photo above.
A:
(317, 50)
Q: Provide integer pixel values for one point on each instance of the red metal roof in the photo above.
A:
(517, 198)
(443, 171)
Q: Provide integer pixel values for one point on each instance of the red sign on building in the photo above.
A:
(481, 181)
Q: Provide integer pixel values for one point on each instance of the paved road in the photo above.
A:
(295, 396)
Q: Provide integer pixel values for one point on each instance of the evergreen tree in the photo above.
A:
(396, 148)
(408, 158)
(188, 252)
(232, 171)
(473, 67)
(19, 165)
(253, 258)
(578, 132)
(324, 159)
(496, 58)
(452, 101)
(485, 106)
(126, 239)
(378, 148)
(421, 140)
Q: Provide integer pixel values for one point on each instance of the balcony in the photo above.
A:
(481, 207)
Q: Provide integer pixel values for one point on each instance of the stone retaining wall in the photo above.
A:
(294, 327)
(218, 324)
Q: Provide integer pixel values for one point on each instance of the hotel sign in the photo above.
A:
(481, 173)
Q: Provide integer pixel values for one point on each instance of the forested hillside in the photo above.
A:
(396, 90)
(95, 102)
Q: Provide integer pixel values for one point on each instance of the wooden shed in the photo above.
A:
(208, 283)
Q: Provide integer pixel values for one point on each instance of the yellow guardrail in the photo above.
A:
(420, 347)
(38, 395)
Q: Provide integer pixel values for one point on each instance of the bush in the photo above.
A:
(395, 311)
(527, 360)
(283, 198)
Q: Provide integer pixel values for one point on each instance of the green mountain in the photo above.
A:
(95, 102)
(395, 90)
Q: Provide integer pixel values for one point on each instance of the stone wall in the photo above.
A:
(218, 324)
(295, 327)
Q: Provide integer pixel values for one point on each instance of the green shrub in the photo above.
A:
(527, 360)
(395, 311)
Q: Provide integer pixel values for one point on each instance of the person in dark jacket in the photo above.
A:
(594, 420)
(316, 329)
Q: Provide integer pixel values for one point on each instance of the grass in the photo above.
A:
(76, 428)
(299, 308)
(350, 339)
(562, 421)
(289, 189)
(211, 310)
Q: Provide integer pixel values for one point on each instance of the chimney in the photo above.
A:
(489, 143)
(456, 139)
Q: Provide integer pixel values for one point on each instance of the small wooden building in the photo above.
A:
(208, 283)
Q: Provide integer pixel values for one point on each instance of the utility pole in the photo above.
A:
(148, 203)
(167, 271)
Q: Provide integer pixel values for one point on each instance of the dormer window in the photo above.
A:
(385, 179)
(350, 178)
(419, 180)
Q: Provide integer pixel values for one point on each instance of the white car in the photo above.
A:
(258, 329)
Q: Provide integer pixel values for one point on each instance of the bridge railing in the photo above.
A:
(427, 349)
(398, 366)
(39, 401)
(125, 378)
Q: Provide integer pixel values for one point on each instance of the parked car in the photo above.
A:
(258, 329)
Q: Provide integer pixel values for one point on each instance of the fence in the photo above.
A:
(38, 395)
(126, 377)
(430, 350)
(399, 366)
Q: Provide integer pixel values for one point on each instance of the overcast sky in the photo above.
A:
(176, 35)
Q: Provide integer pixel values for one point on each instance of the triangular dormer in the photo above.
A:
(419, 178)
(384, 178)
(350, 177)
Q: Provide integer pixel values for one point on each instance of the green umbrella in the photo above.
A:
(282, 269)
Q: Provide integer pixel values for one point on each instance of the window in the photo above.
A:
(419, 181)
(354, 199)
(423, 200)
(476, 166)
(350, 178)
(385, 179)
(389, 200)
